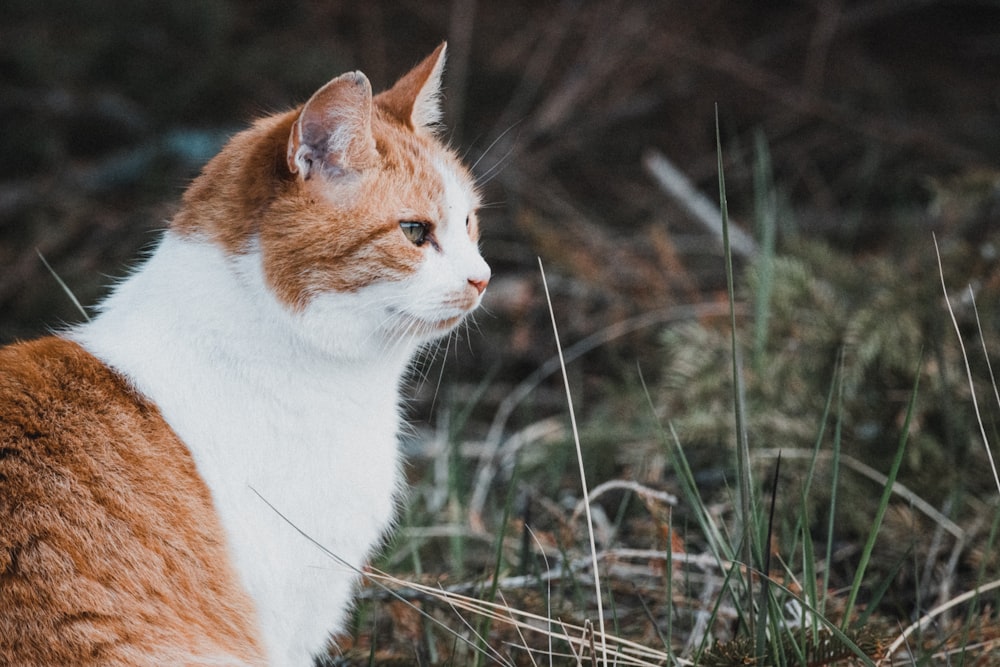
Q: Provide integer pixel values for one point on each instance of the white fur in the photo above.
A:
(427, 107)
(296, 409)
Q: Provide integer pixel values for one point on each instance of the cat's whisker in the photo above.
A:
(471, 323)
(495, 168)
(444, 360)
(493, 143)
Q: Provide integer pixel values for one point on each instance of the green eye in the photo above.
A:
(416, 232)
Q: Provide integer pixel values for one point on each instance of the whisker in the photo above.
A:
(444, 361)
(495, 169)
(494, 143)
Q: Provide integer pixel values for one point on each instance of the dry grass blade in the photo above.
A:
(480, 643)
(64, 287)
(579, 456)
(982, 341)
(968, 368)
(578, 637)
(524, 641)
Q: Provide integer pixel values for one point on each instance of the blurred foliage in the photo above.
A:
(886, 319)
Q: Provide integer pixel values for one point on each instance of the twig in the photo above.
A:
(628, 485)
(679, 187)
(935, 612)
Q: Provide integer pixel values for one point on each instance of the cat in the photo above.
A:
(170, 470)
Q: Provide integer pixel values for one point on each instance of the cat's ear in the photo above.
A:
(415, 100)
(333, 134)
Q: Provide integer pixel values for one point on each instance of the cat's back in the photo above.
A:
(110, 550)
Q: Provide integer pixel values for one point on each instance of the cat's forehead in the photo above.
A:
(432, 169)
(458, 192)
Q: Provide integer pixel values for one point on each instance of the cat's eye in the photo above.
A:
(416, 232)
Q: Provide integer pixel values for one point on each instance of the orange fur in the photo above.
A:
(110, 551)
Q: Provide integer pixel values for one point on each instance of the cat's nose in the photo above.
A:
(479, 283)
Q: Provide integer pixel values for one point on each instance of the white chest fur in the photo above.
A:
(275, 424)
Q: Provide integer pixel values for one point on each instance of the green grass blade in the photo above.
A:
(883, 502)
(742, 443)
(883, 588)
(809, 571)
(834, 481)
(720, 548)
(765, 218)
(802, 519)
(765, 608)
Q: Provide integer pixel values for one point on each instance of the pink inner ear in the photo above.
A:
(415, 100)
(333, 133)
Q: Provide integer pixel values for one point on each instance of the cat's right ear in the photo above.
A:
(333, 134)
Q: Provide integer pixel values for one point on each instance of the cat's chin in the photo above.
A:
(444, 326)
(427, 329)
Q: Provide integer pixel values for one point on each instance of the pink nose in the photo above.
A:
(480, 285)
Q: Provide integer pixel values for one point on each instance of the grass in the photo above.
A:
(732, 570)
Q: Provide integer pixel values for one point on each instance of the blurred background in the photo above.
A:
(853, 133)
(850, 132)
(878, 117)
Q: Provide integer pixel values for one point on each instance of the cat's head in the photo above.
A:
(354, 209)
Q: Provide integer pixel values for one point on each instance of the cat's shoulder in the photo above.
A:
(64, 411)
(55, 380)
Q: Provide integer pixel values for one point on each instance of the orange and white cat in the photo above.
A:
(168, 469)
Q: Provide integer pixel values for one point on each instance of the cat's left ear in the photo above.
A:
(415, 100)
(333, 133)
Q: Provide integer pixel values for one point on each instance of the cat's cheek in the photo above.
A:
(445, 290)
